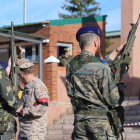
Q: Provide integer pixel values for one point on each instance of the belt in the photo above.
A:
(91, 112)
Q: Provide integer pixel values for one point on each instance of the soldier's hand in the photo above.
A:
(8, 69)
(18, 61)
(20, 109)
(119, 49)
(9, 62)
(125, 78)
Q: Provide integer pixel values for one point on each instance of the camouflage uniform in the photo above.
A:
(64, 60)
(92, 91)
(33, 124)
(8, 106)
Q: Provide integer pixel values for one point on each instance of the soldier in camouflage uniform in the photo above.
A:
(33, 124)
(65, 58)
(8, 106)
(91, 89)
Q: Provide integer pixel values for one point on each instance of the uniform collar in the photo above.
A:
(63, 55)
(89, 53)
(28, 85)
(86, 52)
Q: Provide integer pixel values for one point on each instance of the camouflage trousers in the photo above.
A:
(93, 129)
(10, 131)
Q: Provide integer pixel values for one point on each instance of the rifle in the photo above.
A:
(15, 70)
(121, 64)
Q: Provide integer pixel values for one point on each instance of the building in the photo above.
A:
(114, 40)
(41, 40)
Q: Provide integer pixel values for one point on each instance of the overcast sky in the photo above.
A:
(40, 10)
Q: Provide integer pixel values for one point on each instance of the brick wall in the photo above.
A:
(51, 80)
(35, 69)
(34, 29)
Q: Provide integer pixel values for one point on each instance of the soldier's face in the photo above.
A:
(22, 77)
(68, 53)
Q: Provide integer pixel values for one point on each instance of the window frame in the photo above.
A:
(69, 45)
(23, 52)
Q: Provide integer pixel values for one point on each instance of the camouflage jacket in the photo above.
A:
(91, 81)
(34, 121)
(8, 98)
(64, 60)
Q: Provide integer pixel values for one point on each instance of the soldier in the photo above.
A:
(8, 105)
(33, 124)
(91, 88)
(65, 58)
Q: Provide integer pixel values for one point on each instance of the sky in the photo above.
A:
(40, 10)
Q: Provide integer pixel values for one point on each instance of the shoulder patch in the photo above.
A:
(42, 89)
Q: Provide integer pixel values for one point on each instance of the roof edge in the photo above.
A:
(27, 24)
(113, 33)
(63, 21)
(21, 33)
(77, 20)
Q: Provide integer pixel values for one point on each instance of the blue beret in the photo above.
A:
(88, 29)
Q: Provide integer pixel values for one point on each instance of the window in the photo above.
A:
(60, 48)
(30, 52)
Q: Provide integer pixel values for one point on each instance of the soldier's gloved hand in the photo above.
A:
(125, 78)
